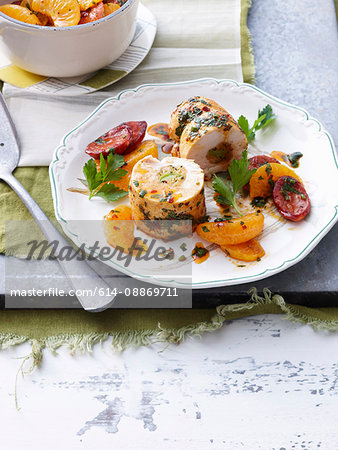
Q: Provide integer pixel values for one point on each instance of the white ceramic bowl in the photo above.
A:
(68, 51)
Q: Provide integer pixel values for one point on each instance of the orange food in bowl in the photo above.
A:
(86, 4)
(60, 13)
(64, 13)
(96, 12)
(109, 8)
(44, 19)
(21, 13)
(38, 6)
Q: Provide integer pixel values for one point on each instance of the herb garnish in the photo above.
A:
(110, 170)
(240, 176)
(199, 99)
(258, 202)
(169, 176)
(186, 116)
(225, 218)
(168, 254)
(268, 168)
(294, 159)
(217, 154)
(265, 116)
(100, 141)
(199, 252)
(167, 198)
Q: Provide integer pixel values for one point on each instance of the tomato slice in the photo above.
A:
(138, 132)
(291, 198)
(117, 139)
(96, 12)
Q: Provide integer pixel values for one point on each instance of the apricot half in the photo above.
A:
(262, 181)
(146, 148)
(246, 251)
(233, 231)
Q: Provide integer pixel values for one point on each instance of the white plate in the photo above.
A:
(293, 130)
(136, 52)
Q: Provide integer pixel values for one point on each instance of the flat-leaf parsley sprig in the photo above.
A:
(265, 117)
(240, 175)
(110, 170)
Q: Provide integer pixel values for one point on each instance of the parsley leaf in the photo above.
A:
(244, 124)
(265, 117)
(240, 176)
(90, 173)
(110, 170)
(110, 192)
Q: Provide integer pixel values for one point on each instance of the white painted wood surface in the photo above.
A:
(259, 383)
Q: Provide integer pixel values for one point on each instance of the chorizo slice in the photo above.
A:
(138, 130)
(116, 140)
(291, 199)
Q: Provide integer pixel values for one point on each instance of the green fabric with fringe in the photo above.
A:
(80, 331)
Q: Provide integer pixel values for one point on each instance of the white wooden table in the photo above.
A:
(258, 383)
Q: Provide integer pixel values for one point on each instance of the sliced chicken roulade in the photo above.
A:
(168, 190)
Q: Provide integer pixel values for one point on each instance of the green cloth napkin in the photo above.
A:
(81, 331)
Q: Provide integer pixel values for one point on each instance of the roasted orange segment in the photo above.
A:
(119, 227)
(246, 251)
(21, 13)
(96, 12)
(146, 148)
(37, 6)
(85, 4)
(109, 8)
(62, 13)
(262, 181)
(233, 231)
(44, 20)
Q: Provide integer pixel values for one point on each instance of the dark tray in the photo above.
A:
(312, 282)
